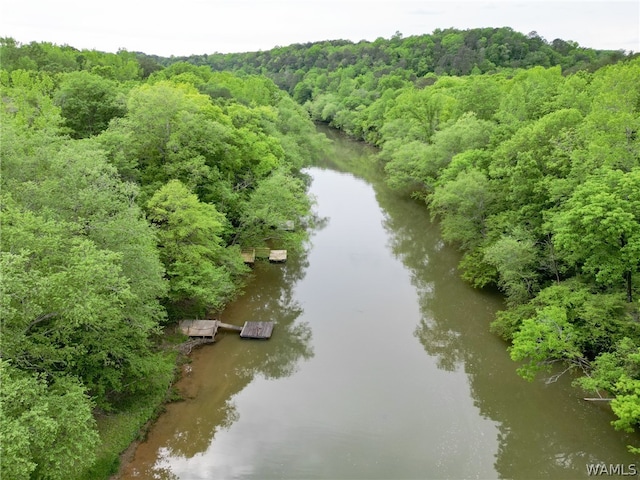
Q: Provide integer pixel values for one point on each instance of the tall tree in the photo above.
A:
(46, 426)
(88, 102)
(598, 230)
(277, 200)
(201, 271)
(64, 308)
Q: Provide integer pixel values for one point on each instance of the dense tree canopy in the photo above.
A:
(527, 151)
(444, 51)
(129, 183)
(123, 205)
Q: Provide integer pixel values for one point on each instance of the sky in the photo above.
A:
(187, 27)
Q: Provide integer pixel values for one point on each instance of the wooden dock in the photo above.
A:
(209, 328)
(249, 255)
(278, 256)
(260, 330)
(199, 328)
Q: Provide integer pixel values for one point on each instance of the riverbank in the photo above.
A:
(158, 405)
(121, 431)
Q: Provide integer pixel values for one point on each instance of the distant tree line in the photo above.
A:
(442, 52)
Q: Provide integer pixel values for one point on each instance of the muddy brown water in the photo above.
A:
(381, 365)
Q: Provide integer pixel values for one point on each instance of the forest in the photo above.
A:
(125, 202)
(130, 182)
(527, 153)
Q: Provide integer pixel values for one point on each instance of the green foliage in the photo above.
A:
(200, 269)
(88, 102)
(444, 51)
(462, 204)
(618, 372)
(27, 101)
(597, 317)
(514, 256)
(64, 308)
(278, 200)
(339, 81)
(47, 57)
(416, 161)
(529, 95)
(475, 270)
(544, 339)
(46, 427)
(598, 230)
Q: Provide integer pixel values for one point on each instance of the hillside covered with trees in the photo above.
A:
(125, 202)
(129, 183)
(443, 52)
(528, 153)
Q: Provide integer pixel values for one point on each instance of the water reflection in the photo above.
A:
(381, 366)
(182, 438)
(544, 431)
(270, 298)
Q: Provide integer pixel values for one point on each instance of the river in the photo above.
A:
(381, 365)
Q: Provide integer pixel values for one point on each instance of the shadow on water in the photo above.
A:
(218, 372)
(545, 430)
(523, 430)
(270, 298)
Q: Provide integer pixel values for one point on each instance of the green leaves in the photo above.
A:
(88, 102)
(514, 258)
(546, 338)
(462, 205)
(46, 429)
(598, 230)
(64, 308)
(278, 200)
(198, 266)
(618, 372)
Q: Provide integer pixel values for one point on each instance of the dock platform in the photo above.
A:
(209, 328)
(249, 255)
(258, 330)
(199, 328)
(278, 256)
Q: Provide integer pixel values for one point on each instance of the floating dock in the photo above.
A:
(209, 328)
(260, 330)
(278, 256)
(249, 255)
(199, 328)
